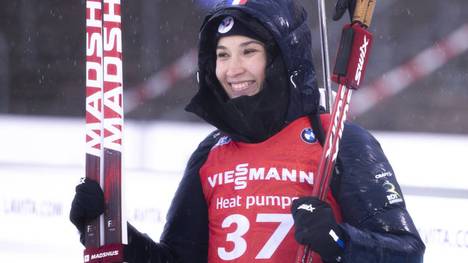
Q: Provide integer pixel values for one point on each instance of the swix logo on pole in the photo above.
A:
(353, 56)
(362, 59)
(94, 79)
(361, 46)
(112, 75)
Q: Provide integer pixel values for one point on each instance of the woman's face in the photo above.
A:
(240, 65)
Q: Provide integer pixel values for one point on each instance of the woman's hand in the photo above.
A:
(341, 7)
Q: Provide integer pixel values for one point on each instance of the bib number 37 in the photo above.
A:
(240, 244)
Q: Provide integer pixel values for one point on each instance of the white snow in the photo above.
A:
(42, 159)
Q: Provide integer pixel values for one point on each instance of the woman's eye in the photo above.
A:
(250, 51)
(221, 55)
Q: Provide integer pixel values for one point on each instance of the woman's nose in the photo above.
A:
(235, 67)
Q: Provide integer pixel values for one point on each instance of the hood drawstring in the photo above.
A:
(294, 74)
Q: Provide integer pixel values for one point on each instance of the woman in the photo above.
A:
(244, 193)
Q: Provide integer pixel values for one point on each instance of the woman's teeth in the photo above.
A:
(241, 85)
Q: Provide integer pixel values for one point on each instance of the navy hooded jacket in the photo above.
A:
(377, 229)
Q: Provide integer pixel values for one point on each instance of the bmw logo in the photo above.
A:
(308, 136)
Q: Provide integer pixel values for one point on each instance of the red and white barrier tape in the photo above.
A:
(162, 81)
(368, 96)
(401, 77)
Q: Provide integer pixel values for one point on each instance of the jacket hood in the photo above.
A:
(285, 22)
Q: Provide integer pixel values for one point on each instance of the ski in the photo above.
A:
(94, 115)
(115, 227)
(104, 238)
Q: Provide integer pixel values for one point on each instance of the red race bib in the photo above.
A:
(249, 189)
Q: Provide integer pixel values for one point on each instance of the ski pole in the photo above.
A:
(325, 55)
(350, 66)
(349, 71)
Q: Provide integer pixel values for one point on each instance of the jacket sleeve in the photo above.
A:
(185, 235)
(377, 226)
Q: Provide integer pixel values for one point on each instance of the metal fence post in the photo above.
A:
(4, 75)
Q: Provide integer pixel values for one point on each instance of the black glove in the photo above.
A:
(87, 204)
(341, 7)
(316, 227)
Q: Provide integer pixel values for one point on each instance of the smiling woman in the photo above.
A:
(241, 58)
(240, 65)
(257, 86)
(242, 69)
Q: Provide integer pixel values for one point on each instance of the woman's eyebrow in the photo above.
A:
(251, 42)
(243, 44)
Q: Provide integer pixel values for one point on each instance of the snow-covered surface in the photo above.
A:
(42, 159)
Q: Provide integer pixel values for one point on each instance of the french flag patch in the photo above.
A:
(239, 2)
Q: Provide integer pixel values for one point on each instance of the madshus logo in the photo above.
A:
(88, 258)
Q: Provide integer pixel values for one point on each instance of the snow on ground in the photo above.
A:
(42, 159)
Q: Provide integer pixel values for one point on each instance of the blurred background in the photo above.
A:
(414, 99)
(42, 60)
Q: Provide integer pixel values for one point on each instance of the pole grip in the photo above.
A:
(363, 12)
